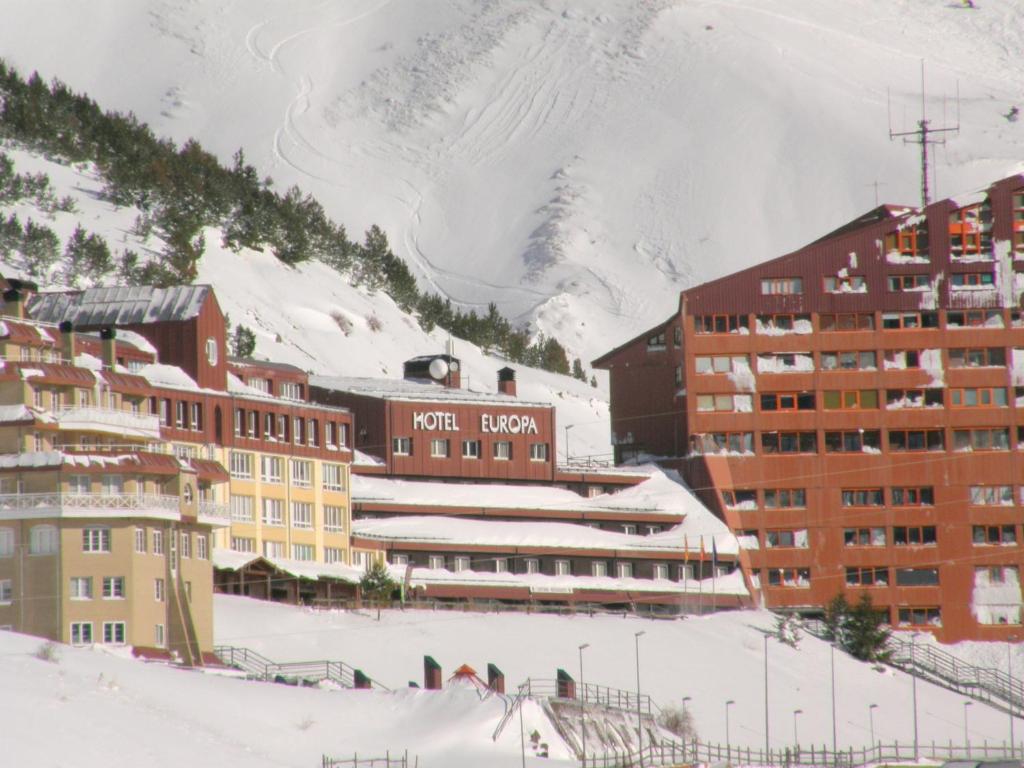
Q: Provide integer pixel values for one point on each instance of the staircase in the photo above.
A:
(259, 667)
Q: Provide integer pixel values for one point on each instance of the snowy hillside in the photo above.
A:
(298, 313)
(102, 702)
(578, 163)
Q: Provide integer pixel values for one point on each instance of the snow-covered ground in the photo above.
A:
(577, 163)
(110, 710)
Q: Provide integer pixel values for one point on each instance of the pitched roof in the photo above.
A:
(416, 391)
(119, 305)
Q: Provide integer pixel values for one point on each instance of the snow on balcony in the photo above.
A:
(28, 505)
(122, 423)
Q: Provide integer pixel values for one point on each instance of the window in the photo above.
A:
(113, 588)
(273, 512)
(913, 535)
(867, 577)
(849, 321)
(333, 477)
(624, 570)
(994, 534)
(629, 528)
(202, 547)
(789, 577)
(179, 414)
(710, 364)
(864, 537)
(787, 401)
(740, 498)
(917, 577)
(599, 568)
(334, 555)
(725, 403)
(913, 497)
(243, 544)
(659, 572)
(917, 440)
(79, 485)
(503, 450)
(1018, 222)
(965, 281)
(913, 398)
(785, 539)
(784, 323)
(241, 465)
(140, 540)
(563, 568)
(439, 448)
(43, 540)
(895, 321)
(81, 632)
(908, 244)
(538, 451)
(273, 549)
(846, 284)
(334, 518)
(159, 590)
(862, 497)
(304, 552)
(850, 399)
(908, 282)
(657, 341)
(436, 562)
(461, 563)
(785, 498)
(977, 357)
(302, 514)
(532, 565)
(186, 544)
(724, 442)
(159, 636)
(991, 495)
(158, 542)
(970, 232)
(910, 617)
(298, 430)
(313, 432)
(242, 509)
(80, 588)
(854, 441)
(113, 632)
(397, 559)
(677, 336)
(898, 359)
(501, 564)
(6, 542)
(291, 390)
(781, 286)
(471, 449)
(975, 318)
(271, 469)
(401, 446)
(981, 439)
(95, 539)
(721, 324)
(113, 485)
(849, 361)
(978, 397)
(282, 427)
(789, 442)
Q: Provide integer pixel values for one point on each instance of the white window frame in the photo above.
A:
(80, 588)
(6, 591)
(158, 541)
(245, 544)
(302, 514)
(401, 446)
(202, 547)
(439, 448)
(43, 539)
(538, 451)
(334, 518)
(6, 542)
(624, 570)
(159, 590)
(302, 473)
(334, 555)
(272, 512)
(113, 588)
(186, 545)
(501, 565)
(305, 553)
(399, 559)
(140, 540)
(271, 469)
(462, 563)
(471, 449)
(240, 465)
(96, 539)
(660, 572)
(243, 509)
(532, 565)
(159, 636)
(563, 567)
(598, 568)
(502, 450)
(333, 477)
(436, 562)
(273, 548)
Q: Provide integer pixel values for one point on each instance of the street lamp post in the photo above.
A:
(728, 748)
(832, 659)
(1009, 693)
(639, 721)
(871, 722)
(582, 696)
(796, 734)
(567, 428)
(913, 682)
(967, 740)
(766, 740)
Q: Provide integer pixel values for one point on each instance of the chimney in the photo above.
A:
(67, 341)
(507, 381)
(108, 341)
(431, 674)
(495, 679)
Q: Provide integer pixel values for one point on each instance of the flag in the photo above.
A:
(714, 556)
(686, 549)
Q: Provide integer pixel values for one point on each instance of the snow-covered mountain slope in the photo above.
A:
(577, 163)
(298, 314)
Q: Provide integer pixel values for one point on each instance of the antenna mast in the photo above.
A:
(922, 136)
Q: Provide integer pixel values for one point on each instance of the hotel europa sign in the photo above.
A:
(504, 423)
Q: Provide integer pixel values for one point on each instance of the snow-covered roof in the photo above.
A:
(120, 305)
(361, 459)
(416, 390)
(453, 532)
(228, 559)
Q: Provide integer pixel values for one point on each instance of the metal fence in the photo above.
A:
(388, 761)
(262, 668)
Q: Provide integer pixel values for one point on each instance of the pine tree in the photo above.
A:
(40, 247)
(836, 612)
(865, 632)
(243, 341)
(377, 584)
(577, 370)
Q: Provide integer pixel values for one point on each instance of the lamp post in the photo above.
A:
(871, 721)
(1009, 698)
(832, 661)
(567, 428)
(913, 683)
(796, 734)
(967, 740)
(766, 740)
(639, 721)
(582, 696)
(728, 743)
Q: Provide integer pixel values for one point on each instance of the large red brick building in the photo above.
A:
(854, 410)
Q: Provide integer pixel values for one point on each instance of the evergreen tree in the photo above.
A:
(866, 633)
(377, 584)
(243, 341)
(836, 612)
(577, 370)
(40, 248)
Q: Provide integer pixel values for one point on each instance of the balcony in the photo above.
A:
(88, 418)
(215, 510)
(19, 505)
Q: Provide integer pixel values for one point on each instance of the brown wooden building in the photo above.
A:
(857, 409)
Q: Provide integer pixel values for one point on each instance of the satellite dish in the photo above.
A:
(454, 365)
(438, 368)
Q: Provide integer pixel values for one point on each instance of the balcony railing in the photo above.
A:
(214, 509)
(27, 502)
(95, 419)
